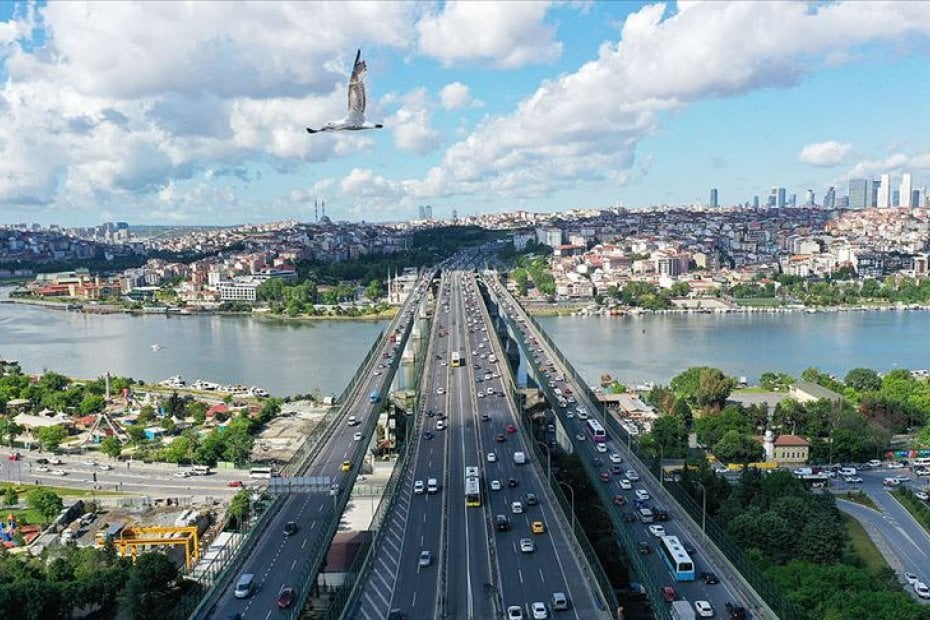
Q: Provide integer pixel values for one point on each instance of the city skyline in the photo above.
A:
(551, 107)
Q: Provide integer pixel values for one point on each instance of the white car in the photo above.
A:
(632, 475)
(357, 436)
(495, 485)
(516, 508)
(704, 609)
(90, 463)
(443, 363)
(894, 465)
(59, 472)
(539, 611)
(106, 467)
(911, 578)
(440, 390)
(43, 469)
(480, 394)
(616, 459)
(853, 479)
(921, 495)
(657, 530)
(514, 612)
(527, 545)
(418, 487)
(600, 448)
(922, 590)
(182, 474)
(625, 484)
(492, 458)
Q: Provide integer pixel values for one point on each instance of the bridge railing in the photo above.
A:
(761, 584)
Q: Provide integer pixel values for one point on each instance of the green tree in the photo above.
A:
(51, 436)
(670, 432)
(736, 447)
(374, 290)
(10, 496)
(92, 403)
(863, 380)
(44, 501)
(111, 446)
(197, 410)
(239, 506)
(53, 381)
(136, 434)
(146, 414)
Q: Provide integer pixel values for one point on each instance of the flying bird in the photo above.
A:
(355, 119)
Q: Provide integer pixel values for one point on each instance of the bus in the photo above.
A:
(456, 359)
(472, 486)
(200, 470)
(261, 472)
(373, 397)
(921, 460)
(677, 559)
(596, 431)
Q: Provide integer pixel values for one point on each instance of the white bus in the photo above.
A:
(472, 486)
(677, 559)
(200, 470)
(596, 431)
(261, 472)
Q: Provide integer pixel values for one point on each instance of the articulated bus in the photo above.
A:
(677, 559)
(472, 486)
(456, 359)
(596, 431)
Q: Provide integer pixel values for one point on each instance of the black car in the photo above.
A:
(42, 461)
(531, 499)
(430, 412)
(290, 528)
(513, 482)
(710, 578)
(485, 417)
(644, 548)
(736, 612)
(503, 523)
(428, 435)
(630, 517)
(689, 548)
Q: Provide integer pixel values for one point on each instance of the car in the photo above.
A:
(500, 438)
(539, 611)
(234, 483)
(106, 467)
(669, 594)
(902, 479)
(853, 479)
(485, 417)
(559, 601)
(615, 470)
(736, 612)
(346, 465)
(619, 500)
(921, 495)
(182, 474)
(490, 390)
(531, 500)
(357, 437)
(874, 463)
(14, 457)
(511, 428)
(539, 527)
(426, 558)
(427, 435)
(632, 475)
(616, 458)
(419, 487)
(440, 391)
(42, 461)
(527, 545)
(513, 483)
(492, 458)
(600, 447)
(910, 578)
(580, 437)
(644, 548)
(605, 476)
(59, 472)
(516, 508)
(704, 609)
(89, 463)
(42, 469)
(689, 548)
(514, 612)
(657, 530)
(55, 461)
(502, 523)
(709, 578)
(625, 484)
(440, 425)
(921, 589)
(480, 394)
(495, 485)
(642, 495)
(290, 528)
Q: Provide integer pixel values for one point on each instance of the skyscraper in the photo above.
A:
(808, 198)
(884, 191)
(829, 199)
(915, 199)
(873, 201)
(905, 191)
(713, 198)
(780, 202)
(755, 201)
(859, 197)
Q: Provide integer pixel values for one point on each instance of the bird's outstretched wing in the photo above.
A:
(357, 86)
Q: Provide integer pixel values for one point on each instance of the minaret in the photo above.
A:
(316, 211)
(768, 440)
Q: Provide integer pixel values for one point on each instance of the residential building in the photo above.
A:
(805, 392)
(791, 450)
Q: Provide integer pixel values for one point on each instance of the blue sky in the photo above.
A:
(161, 112)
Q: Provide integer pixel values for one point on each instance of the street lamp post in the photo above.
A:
(572, 491)
(703, 512)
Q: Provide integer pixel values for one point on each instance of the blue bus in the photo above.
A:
(677, 559)
(373, 397)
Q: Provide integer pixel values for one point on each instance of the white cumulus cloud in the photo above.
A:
(411, 124)
(457, 95)
(825, 154)
(498, 34)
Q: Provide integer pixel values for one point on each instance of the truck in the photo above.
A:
(682, 610)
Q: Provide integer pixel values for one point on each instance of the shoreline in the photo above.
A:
(628, 312)
(267, 316)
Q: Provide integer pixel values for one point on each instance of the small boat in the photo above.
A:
(155, 347)
(258, 392)
(175, 382)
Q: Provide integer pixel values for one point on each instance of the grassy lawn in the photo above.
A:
(22, 489)
(862, 546)
(759, 301)
(858, 497)
(751, 390)
(26, 517)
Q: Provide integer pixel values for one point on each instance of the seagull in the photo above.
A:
(355, 119)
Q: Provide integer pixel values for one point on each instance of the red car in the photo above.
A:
(14, 457)
(234, 483)
(605, 477)
(286, 598)
(511, 428)
(501, 438)
(669, 594)
(619, 500)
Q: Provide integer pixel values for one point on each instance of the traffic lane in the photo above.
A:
(896, 546)
(915, 541)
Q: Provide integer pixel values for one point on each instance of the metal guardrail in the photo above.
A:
(761, 584)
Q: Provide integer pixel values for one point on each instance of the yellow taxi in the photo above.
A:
(346, 465)
(539, 527)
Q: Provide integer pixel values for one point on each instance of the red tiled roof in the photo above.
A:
(791, 440)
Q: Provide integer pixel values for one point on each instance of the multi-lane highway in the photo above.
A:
(473, 570)
(624, 478)
(279, 561)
